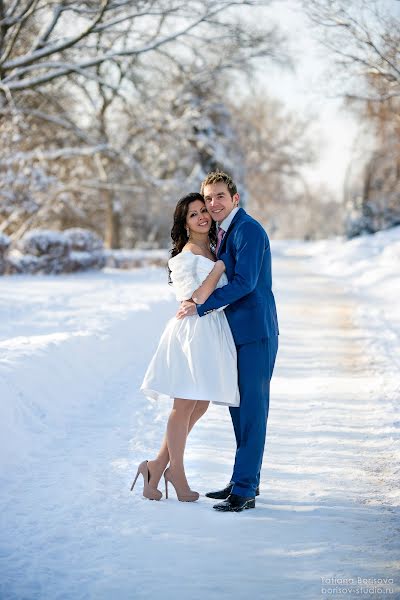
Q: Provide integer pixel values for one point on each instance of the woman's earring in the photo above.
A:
(187, 232)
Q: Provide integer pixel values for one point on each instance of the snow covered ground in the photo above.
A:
(73, 427)
(369, 267)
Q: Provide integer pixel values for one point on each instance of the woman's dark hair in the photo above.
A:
(178, 231)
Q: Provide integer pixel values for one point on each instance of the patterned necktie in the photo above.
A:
(220, 237)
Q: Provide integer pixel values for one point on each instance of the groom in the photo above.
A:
(244, 247)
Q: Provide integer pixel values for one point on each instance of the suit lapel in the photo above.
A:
(235, 219)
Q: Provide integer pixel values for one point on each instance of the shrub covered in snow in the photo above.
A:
(45, 251)
(83, 240)
(136, 258)
(43, 242)
(81, 261)
(24, 263)
(87, 249)
(4, 244)
(53, 252)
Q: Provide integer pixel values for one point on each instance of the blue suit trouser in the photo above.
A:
(256, 362)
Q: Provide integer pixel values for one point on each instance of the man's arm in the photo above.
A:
(250, 248)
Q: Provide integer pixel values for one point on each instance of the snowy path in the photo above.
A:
(74, 427)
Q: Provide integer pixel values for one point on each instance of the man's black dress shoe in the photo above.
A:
(223, 494)
(235, 503)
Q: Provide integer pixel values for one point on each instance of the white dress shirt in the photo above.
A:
(228, 220)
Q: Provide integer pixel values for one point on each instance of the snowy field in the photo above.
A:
(73, 428)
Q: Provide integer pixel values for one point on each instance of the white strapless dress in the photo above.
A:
(196, 356)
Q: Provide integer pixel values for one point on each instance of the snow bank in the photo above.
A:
(59, 336)
(369, 266)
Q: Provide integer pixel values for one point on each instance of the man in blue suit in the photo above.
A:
(244, 247)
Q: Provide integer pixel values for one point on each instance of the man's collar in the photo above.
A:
(228, 220)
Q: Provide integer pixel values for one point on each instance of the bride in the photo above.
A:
(195, 361)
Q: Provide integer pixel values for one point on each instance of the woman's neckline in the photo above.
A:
(190, 252)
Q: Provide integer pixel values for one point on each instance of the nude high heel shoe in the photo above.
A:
(182, 496)
(148, 491)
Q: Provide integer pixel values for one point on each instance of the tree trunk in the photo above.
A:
(113, 221)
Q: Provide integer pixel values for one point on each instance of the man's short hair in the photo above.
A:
(218, 177)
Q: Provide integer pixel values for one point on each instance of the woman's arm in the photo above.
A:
(200, 295)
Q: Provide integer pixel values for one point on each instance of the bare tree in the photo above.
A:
(363, 38)
(276, 147)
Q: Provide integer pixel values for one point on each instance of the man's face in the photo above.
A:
(218, 200)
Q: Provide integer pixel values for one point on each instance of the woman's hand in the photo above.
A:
(186, 309)
(221, 266)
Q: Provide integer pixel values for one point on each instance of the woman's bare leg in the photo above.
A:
(199, 410)
(177, 432)
(158, 466)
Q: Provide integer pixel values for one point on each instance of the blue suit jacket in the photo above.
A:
(246, 253)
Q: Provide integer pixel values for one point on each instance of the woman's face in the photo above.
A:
(198, 219)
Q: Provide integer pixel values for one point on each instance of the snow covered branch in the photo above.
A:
(119, 103)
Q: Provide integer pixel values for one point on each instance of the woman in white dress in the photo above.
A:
(195, 361)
